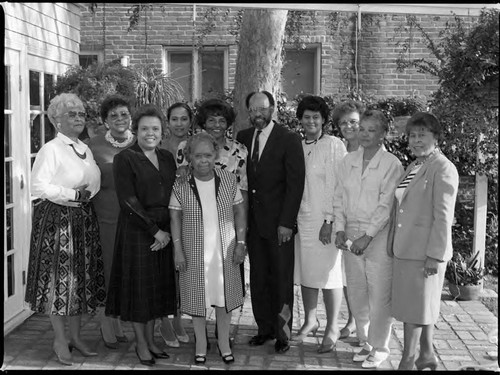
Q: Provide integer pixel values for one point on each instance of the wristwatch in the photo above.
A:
(328, 221)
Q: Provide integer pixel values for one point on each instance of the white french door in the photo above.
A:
(16, 192)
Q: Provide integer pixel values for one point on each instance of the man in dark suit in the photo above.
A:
(275, 172)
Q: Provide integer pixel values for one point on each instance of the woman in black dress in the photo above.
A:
(142, 284)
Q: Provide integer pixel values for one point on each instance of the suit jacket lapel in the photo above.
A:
(420, 174)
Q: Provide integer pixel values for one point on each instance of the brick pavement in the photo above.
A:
(461, 339)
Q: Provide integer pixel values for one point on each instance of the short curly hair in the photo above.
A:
(315, 104)
(147, 110)
(343, 108)
(59, 105)
(196, 139)
(426, 120)
(377, 116)
(215, 107)
(111, 102)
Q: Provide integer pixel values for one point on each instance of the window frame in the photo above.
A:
(196, 83)
(86, 52)
(317, 49)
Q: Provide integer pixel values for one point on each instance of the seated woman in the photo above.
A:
(362, 204)
(65, 271)
(142, 281)
(208, 233)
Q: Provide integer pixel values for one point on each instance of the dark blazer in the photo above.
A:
(275, 189)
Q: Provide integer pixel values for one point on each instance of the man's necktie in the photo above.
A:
(255, 152)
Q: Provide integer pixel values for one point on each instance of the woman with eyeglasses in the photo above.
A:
(115, 114)
(346, 116)
(65, 271)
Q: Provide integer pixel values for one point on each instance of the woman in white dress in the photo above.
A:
(208, 233)
(317, 260)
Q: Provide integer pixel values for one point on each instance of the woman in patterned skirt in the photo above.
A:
(142, 283)
(65, 272)
(208, 233)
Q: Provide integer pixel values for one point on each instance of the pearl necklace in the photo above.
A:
(115, 143)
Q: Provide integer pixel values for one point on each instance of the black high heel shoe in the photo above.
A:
(327, 348)
(159, 355)
(227, 358)
(200, 359)
(83, 351)
(145, 362)
(431, 363)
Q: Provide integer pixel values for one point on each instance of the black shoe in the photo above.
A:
(227, 358)
(281, 346)
(260, 339)
(200, 359)
(159, 355)
(110, 345)
(145, 362)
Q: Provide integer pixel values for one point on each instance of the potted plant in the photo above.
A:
(464, 276)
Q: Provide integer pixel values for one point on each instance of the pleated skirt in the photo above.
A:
(65, 269)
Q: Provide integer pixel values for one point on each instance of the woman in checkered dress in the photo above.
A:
(208, 233)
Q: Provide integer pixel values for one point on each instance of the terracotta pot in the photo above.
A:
(465, 292)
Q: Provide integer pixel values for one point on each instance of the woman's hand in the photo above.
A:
(83, 195)
(359, 245)
(430, 267)
(162, 239)
(325, 233)
(340, 240)
(239, 254)
(180, 261)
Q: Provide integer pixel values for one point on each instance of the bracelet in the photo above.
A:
(242, 242)
(176, 240)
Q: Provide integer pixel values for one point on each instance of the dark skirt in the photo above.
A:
(142, 282)
(65, 270)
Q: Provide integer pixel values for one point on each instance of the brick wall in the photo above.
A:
(376, 48)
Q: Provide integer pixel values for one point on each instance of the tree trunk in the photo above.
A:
(258, 66)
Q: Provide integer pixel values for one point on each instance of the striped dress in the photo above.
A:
(192, 282)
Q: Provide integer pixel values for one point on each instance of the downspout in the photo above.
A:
(358, 28)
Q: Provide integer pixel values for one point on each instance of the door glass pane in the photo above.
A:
(180, 70)
(8, 182)
(298, 72)
(6, 136)
(36, 135)
(50, 131)
(47, 89)
(9, 229)
(10, 275)
(34, 88)
(212, 74)
(6, 103)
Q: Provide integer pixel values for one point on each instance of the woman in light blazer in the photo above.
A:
(420, 238)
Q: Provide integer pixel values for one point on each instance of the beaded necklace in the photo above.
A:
(115, 143)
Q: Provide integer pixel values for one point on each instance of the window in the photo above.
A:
(88, 58)
(301, 71)
(209, 66)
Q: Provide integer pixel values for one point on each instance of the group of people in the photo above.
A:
(143, 227)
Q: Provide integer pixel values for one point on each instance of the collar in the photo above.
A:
(68, 141)
(267, 130)
(357, 159)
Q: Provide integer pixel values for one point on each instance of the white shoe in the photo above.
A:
(374, 361)
(172, 344)
(361, 356)
(183, 338)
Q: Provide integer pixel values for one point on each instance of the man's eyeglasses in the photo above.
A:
(115, 116)
(258, 109)
(350, 122)
(73, 114)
